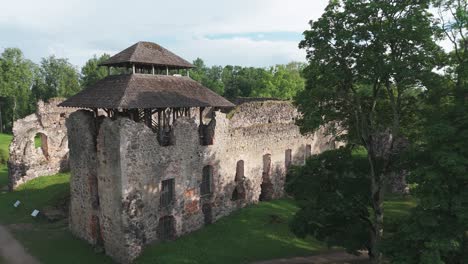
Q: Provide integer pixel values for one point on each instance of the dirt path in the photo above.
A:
(11, 251)
(336, 257)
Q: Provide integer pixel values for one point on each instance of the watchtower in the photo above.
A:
(154, 91)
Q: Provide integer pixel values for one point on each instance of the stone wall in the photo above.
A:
(250, 151)
(27, 161)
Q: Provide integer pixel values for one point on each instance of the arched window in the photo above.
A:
(207, 179)
(40, 141)
(266, 192)
(167, 192)
(239, 171)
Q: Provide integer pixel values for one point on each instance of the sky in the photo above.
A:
(256, 33)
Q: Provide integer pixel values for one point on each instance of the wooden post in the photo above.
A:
(133, 67)
(167, 70)
(201, 115)
(159, 118)
(188, 73)
(108, 70)
(152, 69)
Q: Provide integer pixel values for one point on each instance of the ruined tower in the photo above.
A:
(154, 157)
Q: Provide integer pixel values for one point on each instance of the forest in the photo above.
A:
(23, 83)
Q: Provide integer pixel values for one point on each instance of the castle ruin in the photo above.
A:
(40, 143)
(165, 159)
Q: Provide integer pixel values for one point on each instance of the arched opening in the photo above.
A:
(266, 193)
(40, 141)
(239, 191)
(239, 171)
(166, 228)
(287, 159)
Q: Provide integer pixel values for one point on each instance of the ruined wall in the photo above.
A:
(131, 166)
(27, 161)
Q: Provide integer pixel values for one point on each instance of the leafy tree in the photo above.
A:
(367, 62)
(437, 230)
(16, 79)
(332, 189)
(282, 81)
(56, 77)
(209, 77)
(92, 72)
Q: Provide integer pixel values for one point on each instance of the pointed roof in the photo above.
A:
(131, 91)
(148, 53)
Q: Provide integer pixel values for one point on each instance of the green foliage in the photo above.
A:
(92, 72)
(56, 78)
(368, 63)
(280, 81)
(16, 78)
(437, 231)
(332, 191)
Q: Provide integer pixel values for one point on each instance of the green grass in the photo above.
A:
(246, 235)
(257, 232)
(37, 141)
(5, 140)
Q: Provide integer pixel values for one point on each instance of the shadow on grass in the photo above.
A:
(257, 232)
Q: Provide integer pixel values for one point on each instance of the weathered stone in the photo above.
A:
(28, 162)
(130, 165)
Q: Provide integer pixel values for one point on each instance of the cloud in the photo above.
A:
(77, 29)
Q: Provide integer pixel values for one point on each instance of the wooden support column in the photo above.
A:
(167, 70)
(152, 69)
(133, 67)
(201, 115)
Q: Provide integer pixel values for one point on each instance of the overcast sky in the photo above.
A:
(240, 32)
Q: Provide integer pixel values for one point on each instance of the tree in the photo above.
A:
(323, 188)
(92, 72)
(367, 60)
(16, 79)
(282, 81)
(436, 231)
(56, 77)
(209, 77)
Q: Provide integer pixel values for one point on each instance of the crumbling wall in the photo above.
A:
(26, 161)
(251, 150)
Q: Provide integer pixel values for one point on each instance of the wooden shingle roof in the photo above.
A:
(147, 53)
(131, 91)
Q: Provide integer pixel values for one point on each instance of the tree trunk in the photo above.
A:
(377, 199)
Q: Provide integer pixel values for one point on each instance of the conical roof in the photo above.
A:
(147, 53)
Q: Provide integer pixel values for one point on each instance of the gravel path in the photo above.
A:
(11, 251)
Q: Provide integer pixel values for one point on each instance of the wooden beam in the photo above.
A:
(201, 115)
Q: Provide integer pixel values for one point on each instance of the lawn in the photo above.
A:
(257, 232)
(5, 140)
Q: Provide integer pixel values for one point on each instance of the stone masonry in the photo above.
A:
(27, 161)
(127, 190)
